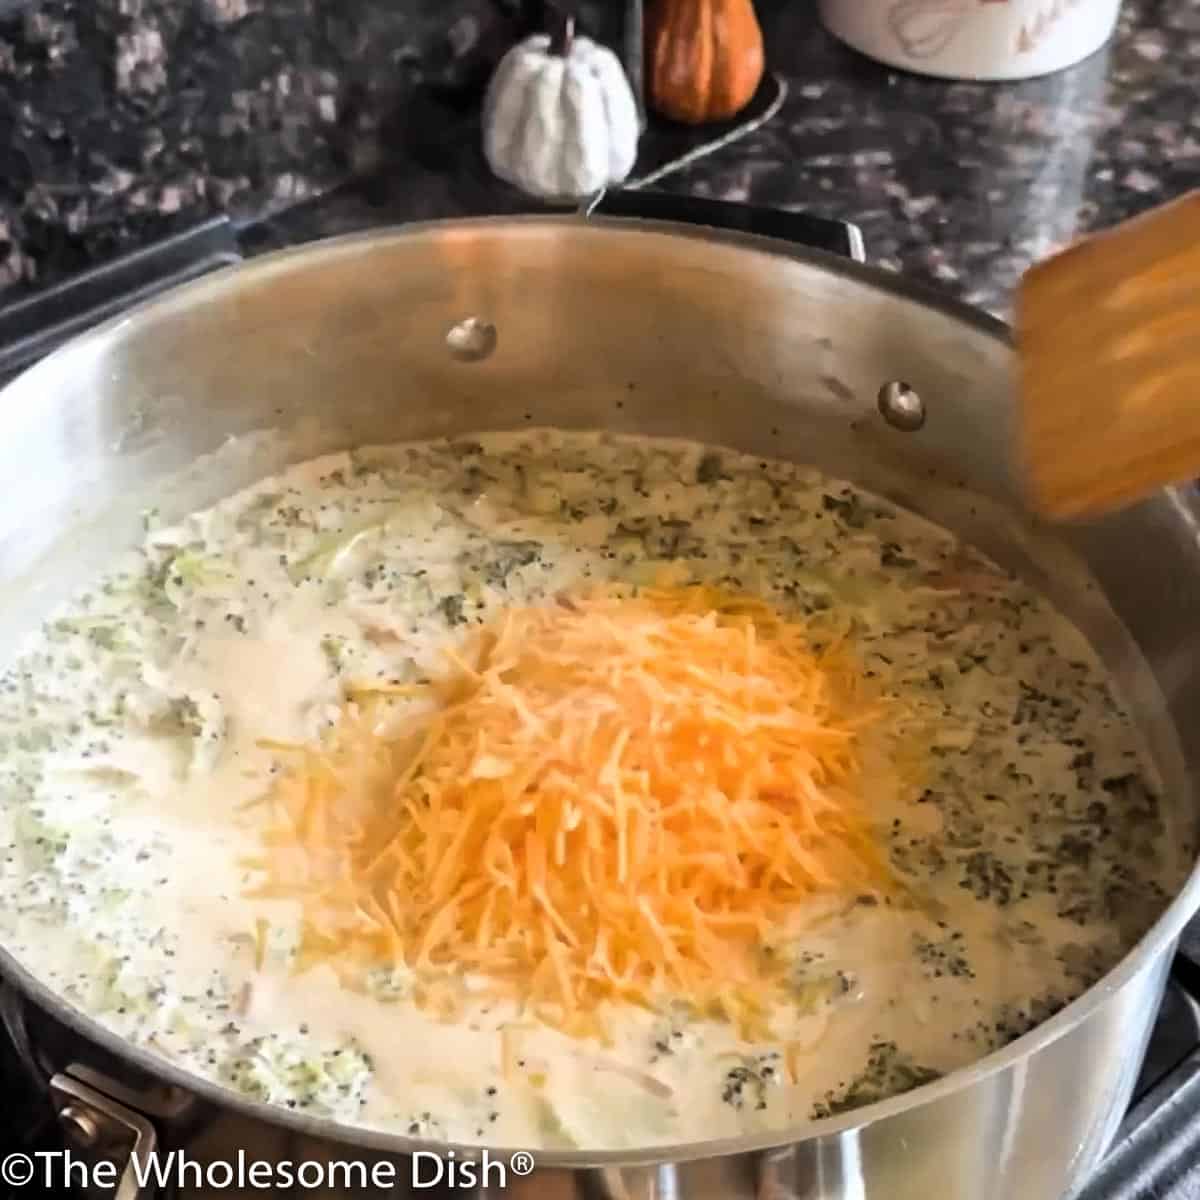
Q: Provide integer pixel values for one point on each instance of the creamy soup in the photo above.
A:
(138, 728)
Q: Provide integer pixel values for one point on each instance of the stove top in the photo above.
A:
(1156, 1155)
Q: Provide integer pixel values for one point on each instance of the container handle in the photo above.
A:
(800, 228)
(103, 1132)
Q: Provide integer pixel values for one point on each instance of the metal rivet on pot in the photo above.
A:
(80, 1124)
(471, 339)
(901, 407)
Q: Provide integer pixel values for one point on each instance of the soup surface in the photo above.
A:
(142, 726)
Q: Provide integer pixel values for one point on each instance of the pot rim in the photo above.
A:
(1156, 942)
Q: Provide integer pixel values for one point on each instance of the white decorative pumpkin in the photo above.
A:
(560, 120)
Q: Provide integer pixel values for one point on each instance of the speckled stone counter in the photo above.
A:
(122, 120)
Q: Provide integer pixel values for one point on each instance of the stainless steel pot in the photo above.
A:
(633, 326)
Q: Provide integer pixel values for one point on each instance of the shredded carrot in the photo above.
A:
(612, 797)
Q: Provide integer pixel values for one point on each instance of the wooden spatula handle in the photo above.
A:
(1108, 338)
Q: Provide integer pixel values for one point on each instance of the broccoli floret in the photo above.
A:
(889, 1072)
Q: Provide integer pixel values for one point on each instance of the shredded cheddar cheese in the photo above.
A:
(611, 797)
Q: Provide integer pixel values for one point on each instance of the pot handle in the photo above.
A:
(800, 228)
(115, 1144)
(32, 328)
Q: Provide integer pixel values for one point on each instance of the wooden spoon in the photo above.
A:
(1108, 355)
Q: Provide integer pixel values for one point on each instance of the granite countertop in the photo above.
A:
(124, 120)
